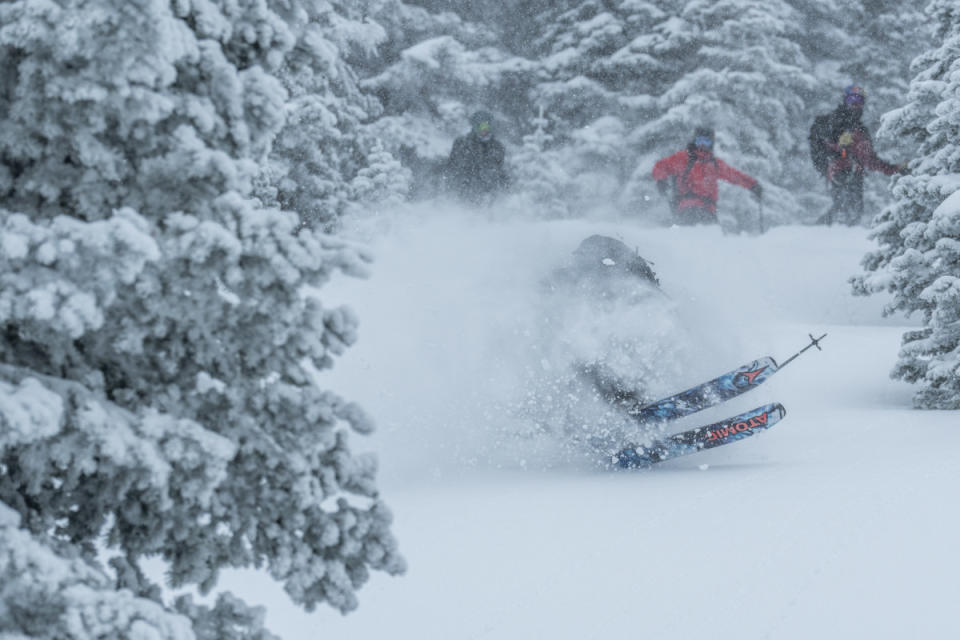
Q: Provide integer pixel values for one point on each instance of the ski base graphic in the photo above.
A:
(711, 393)
(696, 398)
(713, 435)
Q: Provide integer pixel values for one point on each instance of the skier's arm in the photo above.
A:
(456, 165)
(670, 166)
(728, 173)
(457, 154)
(863, 151)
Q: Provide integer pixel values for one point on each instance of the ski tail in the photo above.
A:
(705, 395)
(709, 436)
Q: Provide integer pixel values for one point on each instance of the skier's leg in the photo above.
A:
(852, 200)
(846, 198)
(835, 212)
(690, 216)
(827, 217)
(830, 214)
(684, 217)
(707, 217)
(844, 212)
(609, 385)
(856, 200)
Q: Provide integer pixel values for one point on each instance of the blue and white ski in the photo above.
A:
(707, 394)
(702, 396)
(717, 434)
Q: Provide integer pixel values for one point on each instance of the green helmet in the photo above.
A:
(480, 117)
(481, 123)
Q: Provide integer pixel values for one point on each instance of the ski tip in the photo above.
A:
(774, 409)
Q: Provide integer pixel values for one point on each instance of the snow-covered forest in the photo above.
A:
(201, 200)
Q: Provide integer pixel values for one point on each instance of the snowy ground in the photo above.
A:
(839, 522)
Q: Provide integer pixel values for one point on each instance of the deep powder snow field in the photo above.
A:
(838, 522)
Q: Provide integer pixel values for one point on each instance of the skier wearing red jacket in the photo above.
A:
(695, 172)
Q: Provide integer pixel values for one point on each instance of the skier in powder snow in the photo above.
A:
(695, 172)
(608, 329)
(842, 151)
(475, 169)
(607, 269)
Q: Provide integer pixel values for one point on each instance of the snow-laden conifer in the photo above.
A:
(44, 594)
(157, 348)
(383, 183)
(918, 259)
(323, 143)
(544, 185)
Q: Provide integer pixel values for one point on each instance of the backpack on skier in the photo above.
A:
(820, 136)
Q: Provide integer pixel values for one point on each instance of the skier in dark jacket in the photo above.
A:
(842, 151)
(603, 266)
(475, 169)
(695, 172)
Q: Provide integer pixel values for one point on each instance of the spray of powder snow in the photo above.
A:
(602, 335)
(466, 359)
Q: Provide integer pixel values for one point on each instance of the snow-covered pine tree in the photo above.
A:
(45, 594)
(578, 51)
(918, 260)
(516, 22)
(157, 347)
(324, 143)
(379, 190)
(544, 186)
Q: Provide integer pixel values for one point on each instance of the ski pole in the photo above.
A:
(814, 342)
(673, 196)
(760, 212)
